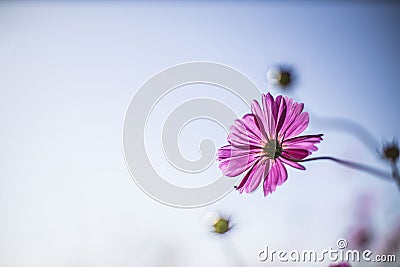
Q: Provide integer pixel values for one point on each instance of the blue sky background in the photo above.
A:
(68, 71)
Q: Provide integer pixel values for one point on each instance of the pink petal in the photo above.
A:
(293, 111)
(277, 175)
(230, 151)
(234, 161)
(245, 132)
(235, 166)
(306, 142)
(239, 139)
(279, 112)
(253, 177)
(268, 106)
(308, 138)
(292, 164)
(249, 121)
(260, 117)
(295, 154)
(298, 125)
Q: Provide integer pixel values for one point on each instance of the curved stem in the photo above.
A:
(350, 164)
(349, 126)
(395, 173)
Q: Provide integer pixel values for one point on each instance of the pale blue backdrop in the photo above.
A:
(68, 71)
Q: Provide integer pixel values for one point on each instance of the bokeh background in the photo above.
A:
(68, 71)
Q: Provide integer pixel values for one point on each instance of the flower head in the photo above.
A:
(263, 141)
(391, 151)
(220, 223)
(281, 76)
(361, 237)
(221, 226)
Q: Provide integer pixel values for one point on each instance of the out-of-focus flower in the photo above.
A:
(342, 264)
(391, 151)
(281, 76)
(361, 234)
(220, 224)
(261, 142)
(361, 237)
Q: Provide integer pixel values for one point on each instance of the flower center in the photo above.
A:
(272, 149)
(392, 152)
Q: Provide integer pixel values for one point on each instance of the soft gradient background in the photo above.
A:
(68, 71)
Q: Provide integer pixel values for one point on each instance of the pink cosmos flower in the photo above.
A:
(263, 141)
